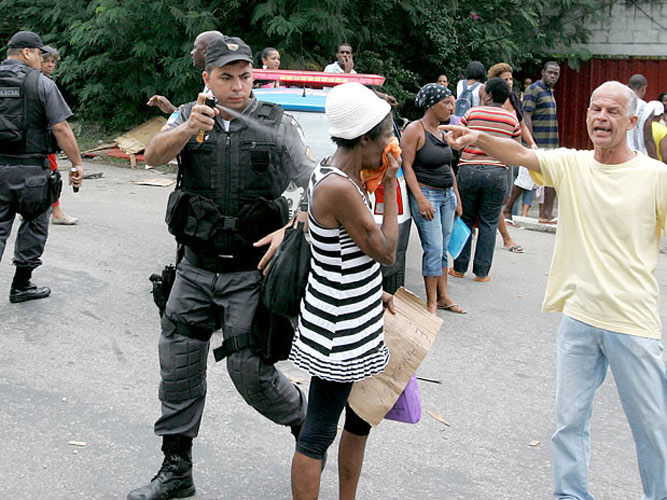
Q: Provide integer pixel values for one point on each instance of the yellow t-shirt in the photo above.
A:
(659, 133)
(609, 222)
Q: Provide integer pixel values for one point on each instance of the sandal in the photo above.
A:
(453, 308)
(514, 249)
(549, 221)
(451, 272)
(65, 220)
(483, 280)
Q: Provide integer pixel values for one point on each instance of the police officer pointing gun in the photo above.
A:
(33, 121)
(236, 158)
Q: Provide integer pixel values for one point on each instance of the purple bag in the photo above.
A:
(407, 408)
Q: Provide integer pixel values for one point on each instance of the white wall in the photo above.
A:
(631, 30)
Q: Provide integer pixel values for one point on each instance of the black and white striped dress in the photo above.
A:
(340, 333)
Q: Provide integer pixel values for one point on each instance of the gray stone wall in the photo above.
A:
(629, 28)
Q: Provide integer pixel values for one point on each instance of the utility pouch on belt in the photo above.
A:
(191, 218)
(38, 194)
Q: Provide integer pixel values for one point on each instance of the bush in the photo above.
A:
(117, 53)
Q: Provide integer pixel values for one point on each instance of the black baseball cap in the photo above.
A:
(227, 49)
(26, 40)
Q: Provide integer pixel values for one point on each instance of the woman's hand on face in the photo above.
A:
(425, 208)
(392, 170)
(388, 301)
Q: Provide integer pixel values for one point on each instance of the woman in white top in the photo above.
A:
(472, 79)
(339, 338)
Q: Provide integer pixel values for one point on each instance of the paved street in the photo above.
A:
(82, 366)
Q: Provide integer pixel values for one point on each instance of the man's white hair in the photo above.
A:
(631, 97)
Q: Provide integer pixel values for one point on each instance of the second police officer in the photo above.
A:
(235, 160)
(33, 123)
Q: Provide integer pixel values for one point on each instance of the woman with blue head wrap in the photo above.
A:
(434, 197)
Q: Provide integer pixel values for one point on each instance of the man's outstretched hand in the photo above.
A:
(459, 137)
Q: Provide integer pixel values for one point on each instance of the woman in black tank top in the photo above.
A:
(434, 197)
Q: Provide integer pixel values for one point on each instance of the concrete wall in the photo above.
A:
(636, 28)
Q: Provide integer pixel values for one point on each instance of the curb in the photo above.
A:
(533, 225)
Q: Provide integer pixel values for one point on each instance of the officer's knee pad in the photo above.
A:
(182, 365)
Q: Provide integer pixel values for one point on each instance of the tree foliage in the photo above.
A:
(117, 53)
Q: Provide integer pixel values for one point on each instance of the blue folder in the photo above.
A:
(458, 238)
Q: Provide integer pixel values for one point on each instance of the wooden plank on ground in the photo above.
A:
(136, 140)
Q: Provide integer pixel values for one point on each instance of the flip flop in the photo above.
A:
(453, 308)
(550, 221)
(451, 272)
(514, 249)
(484, 279)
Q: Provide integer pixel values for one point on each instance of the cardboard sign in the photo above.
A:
(409, 335)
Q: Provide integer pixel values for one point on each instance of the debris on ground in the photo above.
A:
(431, 380)
(136, 140)
(438, 418)
(156, 181)
(129, 145)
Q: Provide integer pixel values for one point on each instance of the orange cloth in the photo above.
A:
(373, 178)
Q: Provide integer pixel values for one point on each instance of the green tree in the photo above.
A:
(117, 53)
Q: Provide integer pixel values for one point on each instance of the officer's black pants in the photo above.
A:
(209, 300)
(32, 234)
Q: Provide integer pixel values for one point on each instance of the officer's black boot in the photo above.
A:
(174, 479)
(23, 290)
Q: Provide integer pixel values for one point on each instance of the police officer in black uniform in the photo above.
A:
(33, 120)
(236, 161)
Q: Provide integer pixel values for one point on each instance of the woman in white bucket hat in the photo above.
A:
(339, 338)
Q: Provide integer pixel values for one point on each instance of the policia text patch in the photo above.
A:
(10, 92)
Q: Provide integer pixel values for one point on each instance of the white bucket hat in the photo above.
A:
(353, 110)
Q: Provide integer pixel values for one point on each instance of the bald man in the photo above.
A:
(198, 54)
(613, 208)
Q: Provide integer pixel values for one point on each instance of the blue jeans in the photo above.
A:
(482, 189)
(584, 353)
(434, 234)
(527, 197)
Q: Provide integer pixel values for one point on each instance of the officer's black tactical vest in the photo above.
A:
(242, 174)
(23, 125)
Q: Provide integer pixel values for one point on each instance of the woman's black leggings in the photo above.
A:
(325, 404)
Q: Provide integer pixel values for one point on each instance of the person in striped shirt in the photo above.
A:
(539, 116)
(482, 179)
(340, 334)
